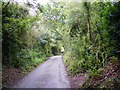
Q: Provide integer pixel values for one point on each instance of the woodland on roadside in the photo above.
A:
(87, 34)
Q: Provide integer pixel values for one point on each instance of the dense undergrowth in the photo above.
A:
(106, 77)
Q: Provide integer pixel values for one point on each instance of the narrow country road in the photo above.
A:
(50, 74)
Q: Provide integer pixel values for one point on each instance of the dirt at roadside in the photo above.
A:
(107, 77)
(78, 79)
(11, 76)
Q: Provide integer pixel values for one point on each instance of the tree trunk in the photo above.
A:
(89, 31)
(88, 20)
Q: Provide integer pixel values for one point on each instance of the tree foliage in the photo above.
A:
(25, 43)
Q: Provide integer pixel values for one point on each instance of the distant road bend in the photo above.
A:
(50, 74)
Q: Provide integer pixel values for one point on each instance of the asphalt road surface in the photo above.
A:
(50, 74)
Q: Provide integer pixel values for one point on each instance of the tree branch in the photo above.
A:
(6, 6)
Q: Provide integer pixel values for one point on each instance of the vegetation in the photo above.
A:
(87, 31)
(23, 45)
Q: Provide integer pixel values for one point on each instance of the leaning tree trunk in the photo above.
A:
(88, 20)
